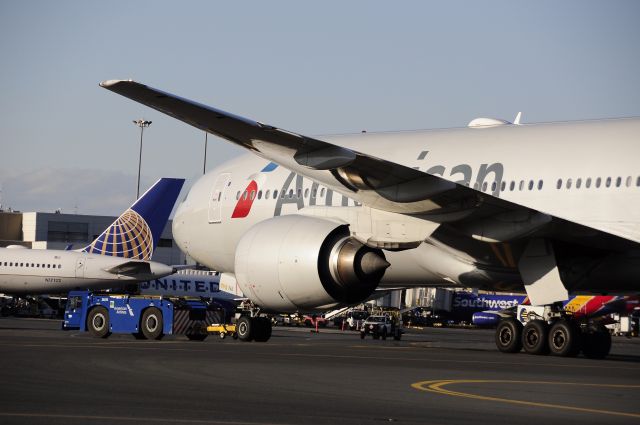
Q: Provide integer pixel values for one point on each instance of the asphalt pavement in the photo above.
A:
(432, 376)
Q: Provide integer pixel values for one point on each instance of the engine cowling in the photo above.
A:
(298, 263)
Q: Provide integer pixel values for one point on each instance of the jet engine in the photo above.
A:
(299, 263)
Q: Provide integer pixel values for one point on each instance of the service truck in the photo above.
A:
(146, 317)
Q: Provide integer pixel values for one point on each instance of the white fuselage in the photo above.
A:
(583, 172)
(46, 271)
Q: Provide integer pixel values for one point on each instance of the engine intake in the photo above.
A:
(297, 263)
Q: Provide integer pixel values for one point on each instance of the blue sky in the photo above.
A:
(326, 67)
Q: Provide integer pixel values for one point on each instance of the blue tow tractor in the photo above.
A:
(146, 317)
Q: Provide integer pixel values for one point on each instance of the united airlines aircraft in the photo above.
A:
(119, 256)
(307, 223)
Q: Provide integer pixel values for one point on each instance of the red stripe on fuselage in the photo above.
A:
(243, 207)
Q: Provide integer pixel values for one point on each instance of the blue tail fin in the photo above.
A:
(135, 234)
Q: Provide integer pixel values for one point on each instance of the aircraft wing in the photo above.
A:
(373, 181)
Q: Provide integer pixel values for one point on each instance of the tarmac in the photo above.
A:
(432, 376)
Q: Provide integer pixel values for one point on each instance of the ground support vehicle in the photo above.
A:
(146, 317)
(380, 327)
(223, 330)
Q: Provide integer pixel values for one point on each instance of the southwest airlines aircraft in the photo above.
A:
(119, 256)
(309, 223)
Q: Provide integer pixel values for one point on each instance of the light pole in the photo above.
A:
(142, 124)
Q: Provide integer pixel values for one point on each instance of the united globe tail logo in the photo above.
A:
(129, 237)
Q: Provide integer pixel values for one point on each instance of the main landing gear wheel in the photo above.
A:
(509, 336)
(564, 339)
(98, 322)
(262, 329)
(534, 337)
(151, 323)
(596, 344)
(244, 328)
(254, 328)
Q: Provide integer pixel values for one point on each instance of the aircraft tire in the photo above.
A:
(509, 336)
(263, 329)
(596, 345)
(564, 339)
(98, 322)
(151, 323)
(535, 337)
(244, 328)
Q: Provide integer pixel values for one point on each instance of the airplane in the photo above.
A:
(306, 223)
(118, 256)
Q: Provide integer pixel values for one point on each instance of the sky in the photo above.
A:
(313, 68)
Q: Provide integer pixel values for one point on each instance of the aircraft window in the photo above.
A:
(11, 264)
(32, 265)
(569, 181)
(299, 192)
(493, 186)
(559, 185)
(290, 193)
(638, 181)
(322, 192)
(484, 186)
(48, 266)
(266, 194)
(588, 183)
(282, 194)
(21, 264)
(38, 265)
(578, 183)
(618, 181)
(503, 186)
(512, 185)
(540, 184)
(531, 184)
(629, 181)
(476, 185)
(608, 183)
(59, 266)
(238, 195)
(253, 195)
(245, 194)
(306, 193)
(598, 181)
(259, 194)
(521, 185)
(275, 194)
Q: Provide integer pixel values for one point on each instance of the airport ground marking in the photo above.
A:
(437, 388)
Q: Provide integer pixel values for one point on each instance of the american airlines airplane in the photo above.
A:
(118, 256)
(308, 223)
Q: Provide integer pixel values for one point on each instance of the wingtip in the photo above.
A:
(109, 83)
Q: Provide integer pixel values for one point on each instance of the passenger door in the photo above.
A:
(217, 197)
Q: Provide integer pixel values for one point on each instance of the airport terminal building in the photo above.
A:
(40, 230)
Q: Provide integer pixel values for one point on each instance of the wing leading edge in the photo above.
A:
(375, 182)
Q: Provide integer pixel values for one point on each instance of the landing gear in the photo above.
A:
(253, 329)
(549, 330)
(534, 337)
(596, 343)
(564, 338)
(509, 336)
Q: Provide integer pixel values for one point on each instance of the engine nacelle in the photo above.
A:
(297, 263)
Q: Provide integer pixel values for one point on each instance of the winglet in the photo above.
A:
(517, 120)
(135, 234)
